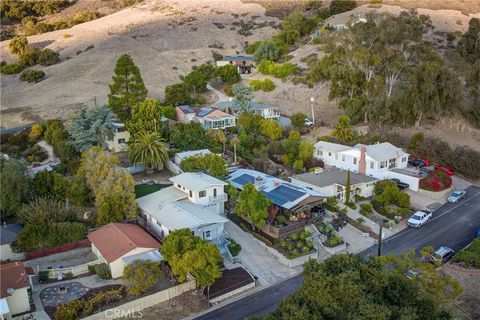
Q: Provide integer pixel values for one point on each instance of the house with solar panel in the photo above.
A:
(209, 117)
(297, 203)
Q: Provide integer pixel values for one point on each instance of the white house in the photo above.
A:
(180, 156)
(332, 183)
(381, 160)
(195, 201)
(118, 142)
(267, 112)
(244, 63)
(8, 235)
(119, 244)
(14, 285)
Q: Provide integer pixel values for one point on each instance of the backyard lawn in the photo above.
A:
(144, 189)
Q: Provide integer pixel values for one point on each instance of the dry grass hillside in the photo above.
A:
(164, 38)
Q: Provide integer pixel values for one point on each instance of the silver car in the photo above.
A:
(457, 196)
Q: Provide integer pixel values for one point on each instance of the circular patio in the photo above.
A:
(62, 293)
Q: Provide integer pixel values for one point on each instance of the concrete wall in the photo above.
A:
(439, 195)
(117, 266)
(133, 309)
(18, 302)
(6, 253)
(413, 182)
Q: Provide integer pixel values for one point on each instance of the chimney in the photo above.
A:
(362, 164)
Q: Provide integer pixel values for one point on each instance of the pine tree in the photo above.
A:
(127, 88)
(347, 189)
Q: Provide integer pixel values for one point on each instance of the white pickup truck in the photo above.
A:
(419, 218)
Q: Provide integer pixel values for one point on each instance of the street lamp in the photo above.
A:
(312, 100)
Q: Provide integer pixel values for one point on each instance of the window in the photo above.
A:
(190, 193)
(215, 192)
(329, 154)
(121, 141)
(179, 186)
(383, 164)
(120, 129)
(404, 159)
(372, 165)
(206, 234)
(354, 160)
(202, 194)
(343, 158)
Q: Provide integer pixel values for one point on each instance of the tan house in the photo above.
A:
(15, 280)
(119, 244)
(120, 138)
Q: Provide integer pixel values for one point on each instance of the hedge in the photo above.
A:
(470, 257)
(278, 70)
(266, 85)
(12, 68)
(32, 75)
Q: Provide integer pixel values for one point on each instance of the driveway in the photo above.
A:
(256, 259)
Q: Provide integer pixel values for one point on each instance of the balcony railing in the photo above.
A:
(218, 199)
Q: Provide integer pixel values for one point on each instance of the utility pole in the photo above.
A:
(379, 247)
(312, 100)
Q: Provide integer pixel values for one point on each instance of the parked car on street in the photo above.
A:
(457, 196)
(419, 218)
(308, 122)
(448, 170)
(401, 185)
(442, 254)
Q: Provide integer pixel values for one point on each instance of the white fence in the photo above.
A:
(75, 271)
(133, 309)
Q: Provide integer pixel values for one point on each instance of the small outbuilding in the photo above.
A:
(121, 243)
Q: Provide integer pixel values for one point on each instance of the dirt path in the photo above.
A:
(51, 156)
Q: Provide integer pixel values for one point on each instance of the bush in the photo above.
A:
(281, 219)
(69, 311)
(102, 271)
(32, 75)
(361, 220)
(18, 45)
(339, 6)
(352, 205)
(415, 140)
(12, 68)
(277, 70)
(266, 85)
(436, 181)
(48, 57)
(91, 269)
(366, 207)
(229, 74)
(298, 119)
(470, 256)
(267, 50)
(234, 247)
(228, 90)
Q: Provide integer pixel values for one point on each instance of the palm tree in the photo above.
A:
(234, 142)
(148, 149)
(219, 136)
(343, 130)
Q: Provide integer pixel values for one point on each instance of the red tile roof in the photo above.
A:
(116, 239)
(12, 275)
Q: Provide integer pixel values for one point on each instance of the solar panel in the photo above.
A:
(204, 111)
(244, 179)
(275, 198)
(288, 193)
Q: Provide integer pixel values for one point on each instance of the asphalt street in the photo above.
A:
(452, 225)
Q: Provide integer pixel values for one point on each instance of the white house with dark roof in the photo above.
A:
(195, 201)
(332, 182)
(381, 160)
(244, 63)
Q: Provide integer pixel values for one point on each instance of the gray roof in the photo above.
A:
(333, 176)
(9, 232)
(382, 151)
(329, 146)
(237, 58)
(196, 180)
(232, 105)
(186, 109)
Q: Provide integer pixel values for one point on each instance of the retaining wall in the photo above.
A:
(439, 195)
(133, 309)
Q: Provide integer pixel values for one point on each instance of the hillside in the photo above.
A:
(165, 39)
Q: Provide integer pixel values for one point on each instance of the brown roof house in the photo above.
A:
(15, 280)
(119, 244)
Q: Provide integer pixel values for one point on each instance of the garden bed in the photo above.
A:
(333, 239)
(295, 245)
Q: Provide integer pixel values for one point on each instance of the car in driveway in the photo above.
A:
(457, 196)
(448, 170)
(401, 185)
(419, 218)
(442, 254)
(308, 123)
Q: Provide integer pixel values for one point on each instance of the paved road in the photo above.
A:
(452, 225)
